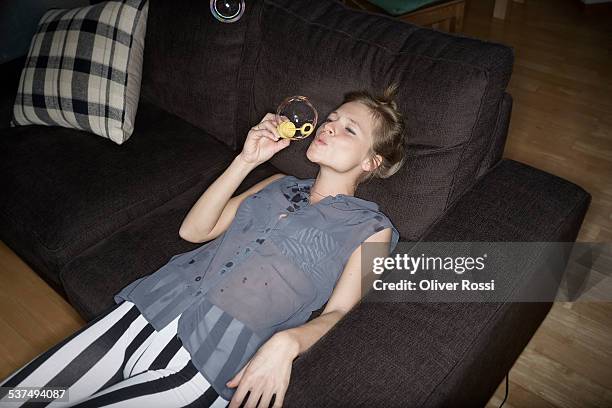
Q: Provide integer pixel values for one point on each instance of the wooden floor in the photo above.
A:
(561, 123)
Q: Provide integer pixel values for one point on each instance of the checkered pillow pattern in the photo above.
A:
(84, 68)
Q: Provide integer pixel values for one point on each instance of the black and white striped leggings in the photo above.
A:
(118, 360)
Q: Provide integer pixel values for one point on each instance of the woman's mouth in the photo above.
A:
(320, 141)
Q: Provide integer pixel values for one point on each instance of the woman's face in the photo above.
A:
(343, 139)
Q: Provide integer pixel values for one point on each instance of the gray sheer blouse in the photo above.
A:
(277, 262)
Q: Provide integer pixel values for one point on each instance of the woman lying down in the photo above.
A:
(223, 323)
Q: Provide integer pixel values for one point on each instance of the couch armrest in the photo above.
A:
(10, 72)
(429, 354)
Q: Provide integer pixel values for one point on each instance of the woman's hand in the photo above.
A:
(266, 373)
(263, 141)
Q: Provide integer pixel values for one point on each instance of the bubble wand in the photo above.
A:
(296, 113)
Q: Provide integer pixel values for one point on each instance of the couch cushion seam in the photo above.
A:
(467, 143)
(492, 140)
(394, 53)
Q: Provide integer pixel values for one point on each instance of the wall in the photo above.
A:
(18, 21)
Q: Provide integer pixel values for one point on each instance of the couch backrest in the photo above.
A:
(191, 64)
(225, 77)
(451, 94)
(499, 135)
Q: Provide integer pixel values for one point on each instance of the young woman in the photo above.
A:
(223, 323)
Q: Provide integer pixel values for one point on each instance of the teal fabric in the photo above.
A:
(398, 7)
(278, 261)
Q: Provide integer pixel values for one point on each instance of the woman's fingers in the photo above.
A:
(268, 124)
(268, 116)
(254, 149)
(238, 396)
(259, 132)
(280, 396)
(253, 398)
(266, 397)
(281, 144)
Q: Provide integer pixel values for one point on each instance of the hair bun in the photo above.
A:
(390, 103)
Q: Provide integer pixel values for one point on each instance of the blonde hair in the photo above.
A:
(388, 132)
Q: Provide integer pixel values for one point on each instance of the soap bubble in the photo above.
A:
(227, 11)
(298, 117)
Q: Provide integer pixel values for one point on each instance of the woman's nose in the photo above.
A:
(328, 129)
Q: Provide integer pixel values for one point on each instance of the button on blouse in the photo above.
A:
(277, 262)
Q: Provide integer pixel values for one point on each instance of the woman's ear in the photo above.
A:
(372, 163)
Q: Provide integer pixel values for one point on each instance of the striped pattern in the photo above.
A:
(118, 359)
(83, 69)
(221, 344)
(264, 274)
(310, 246)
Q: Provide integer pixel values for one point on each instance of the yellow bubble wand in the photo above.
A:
(287, 130)
(301, 110)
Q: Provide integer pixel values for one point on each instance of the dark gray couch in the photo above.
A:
(91, 216)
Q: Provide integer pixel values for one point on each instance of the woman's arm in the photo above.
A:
(215, 209)
(206, 212)
(347, 292)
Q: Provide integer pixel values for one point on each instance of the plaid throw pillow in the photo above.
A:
(83, 69)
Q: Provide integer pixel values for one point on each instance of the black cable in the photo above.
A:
(505, 396)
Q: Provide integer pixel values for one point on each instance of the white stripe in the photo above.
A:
(182, 395)
(160, 341)
(57, 92)
(51, 15)
(205, 326)
(175, 397)
(226, 345)
(180, 359)
(220, 403)
(104, 369)
(177, 363)
(129, 365)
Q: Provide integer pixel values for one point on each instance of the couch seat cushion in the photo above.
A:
(68, 189)
(138, 249)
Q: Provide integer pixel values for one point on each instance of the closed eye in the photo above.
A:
(347, 128)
